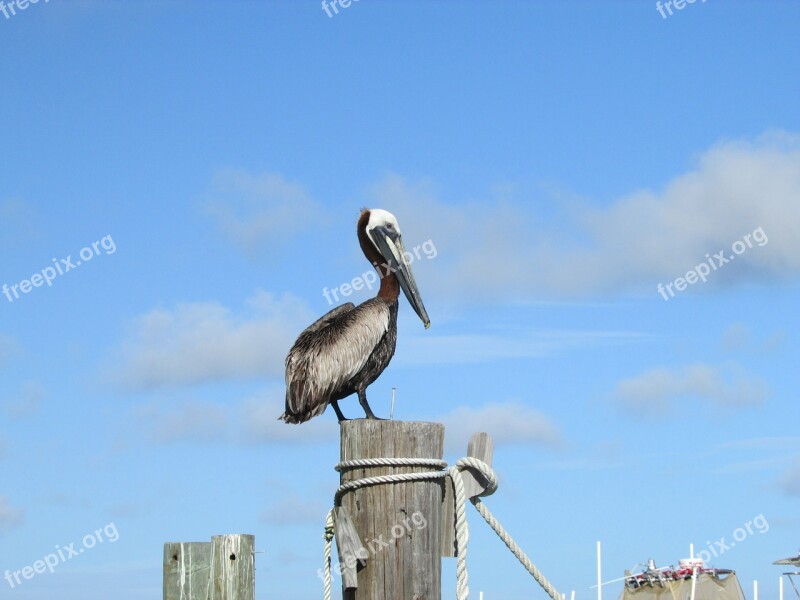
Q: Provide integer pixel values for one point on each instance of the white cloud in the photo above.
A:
(658, 390)
(505, 249)
(506, 422)
(204, 342)
(254, 209)
(9, 516)
(188, 421)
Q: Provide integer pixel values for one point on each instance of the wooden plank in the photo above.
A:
(352, 553)
(186, 570)
(400, 523)
(232, 567)
(481, 447)
(449, 520)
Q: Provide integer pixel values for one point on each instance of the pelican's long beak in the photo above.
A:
(391, 247)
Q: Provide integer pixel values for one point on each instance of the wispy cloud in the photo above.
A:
(18, 222)
(758, 455)
(480, 348)
(790, 481)
(294, 510)
(739, 337)
(253, 209)
(606, 455)
(187, 421)
(506, 422)
(761, 444)
(8, 348)
(660, 389)
(206, 342)
(253, 420)
(26, 402)
(261, 425)
(9, 515)
(736, 337)
(512, 249)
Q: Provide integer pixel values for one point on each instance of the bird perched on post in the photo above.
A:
(345, 350)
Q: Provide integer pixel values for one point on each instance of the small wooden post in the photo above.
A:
(480, 446)
(399, 523)
(223, 569)
(233, 567)
(186, 570)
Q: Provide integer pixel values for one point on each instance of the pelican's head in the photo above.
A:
(384, 232)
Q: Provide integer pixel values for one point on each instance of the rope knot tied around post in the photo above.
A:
(329, 530)
(482, 482)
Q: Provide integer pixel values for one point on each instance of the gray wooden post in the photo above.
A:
(399, 523)
(233, 567)
(186, 570)
(223, 569)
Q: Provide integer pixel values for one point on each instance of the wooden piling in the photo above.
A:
(186, 570)
(233, 567)
(223, 569)
(480, 446)
(399, 523)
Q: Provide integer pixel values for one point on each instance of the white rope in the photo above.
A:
(515, 549)
(462, 527)
(367, 481)
(328, 537)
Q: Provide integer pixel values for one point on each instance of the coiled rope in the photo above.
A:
(462, 527)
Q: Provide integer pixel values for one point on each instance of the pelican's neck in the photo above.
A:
(390, 285)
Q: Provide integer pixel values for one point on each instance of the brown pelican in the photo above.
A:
(344, 351)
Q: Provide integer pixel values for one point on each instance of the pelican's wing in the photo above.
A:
(328, 317)
(330, 353)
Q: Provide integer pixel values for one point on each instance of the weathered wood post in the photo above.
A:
(480, 446)
(398, 523)
(233, 567)
(186, 570)
(223, 569)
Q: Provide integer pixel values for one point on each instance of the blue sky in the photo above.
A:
(563, 159)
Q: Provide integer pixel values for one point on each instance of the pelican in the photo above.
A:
(345, 350)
